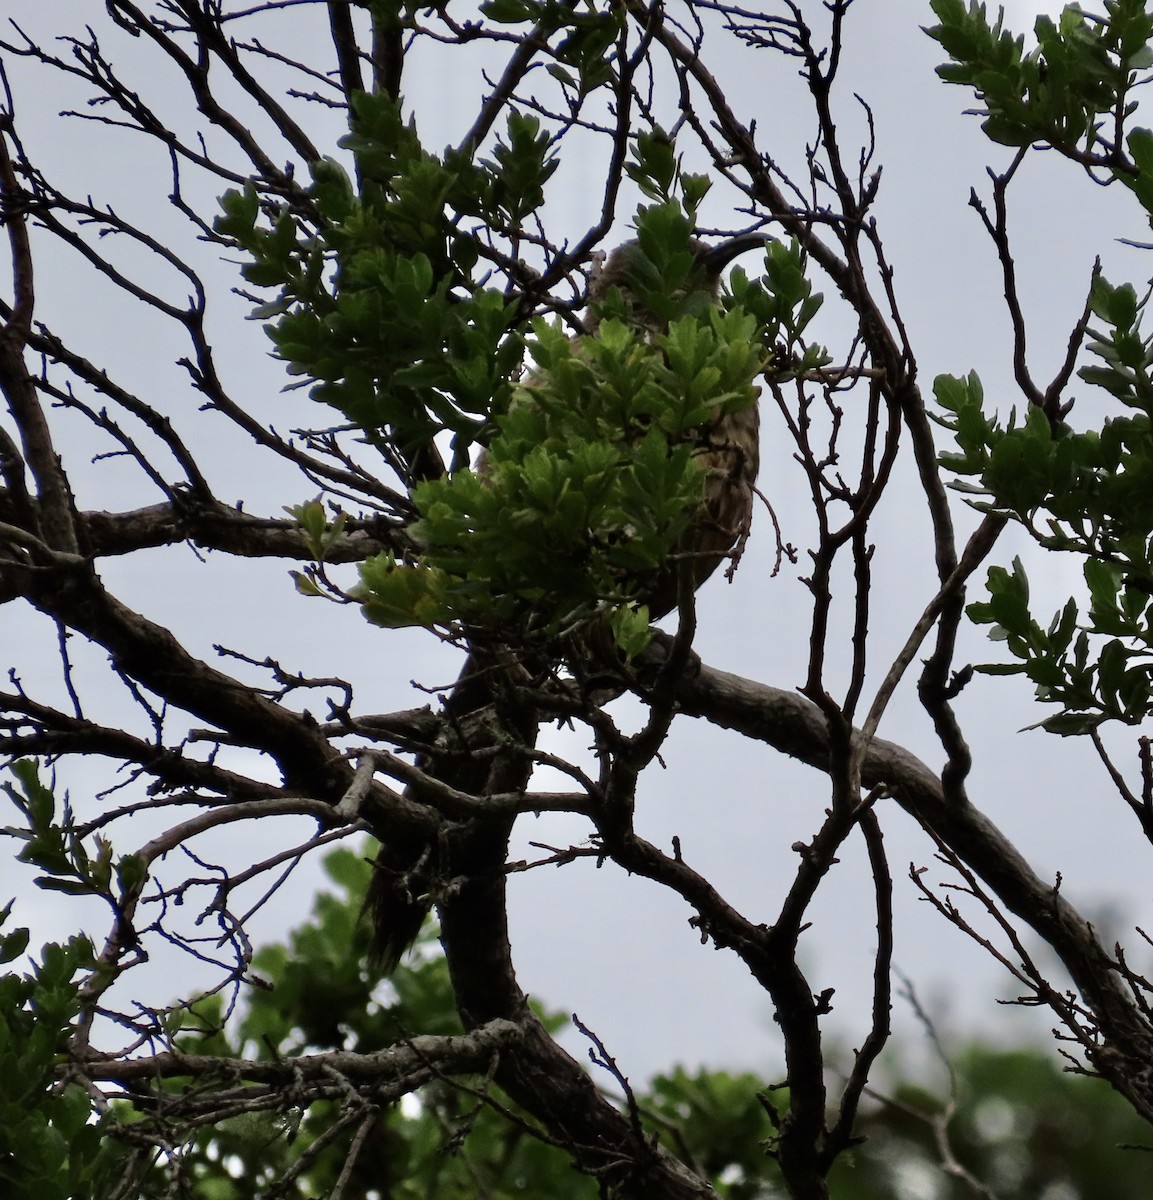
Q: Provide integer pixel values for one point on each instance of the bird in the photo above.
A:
(412, 872)
(728, 446)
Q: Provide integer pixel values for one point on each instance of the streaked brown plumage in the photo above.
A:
(728, 447)
(408, 872)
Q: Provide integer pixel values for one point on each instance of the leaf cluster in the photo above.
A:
(52, 1144)
(1096, 672)
(655, 168)
(53, 846)
(1082, 492)
(592, 475)
(375, 300)
(1086, 493)
(784, 303)
(582, 60)
(1062, 92)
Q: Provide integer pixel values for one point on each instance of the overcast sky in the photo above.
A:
(615, 950)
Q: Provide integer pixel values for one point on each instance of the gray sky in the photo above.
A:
(618, 951)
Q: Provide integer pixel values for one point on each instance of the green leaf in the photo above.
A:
(397, 595)
(13, 944)
(1104, 582)
(629, 624)
(37, 801)
(1068, 724)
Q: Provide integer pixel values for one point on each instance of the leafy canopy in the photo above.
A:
(1087, 493)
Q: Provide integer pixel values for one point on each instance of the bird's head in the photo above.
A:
(680, 284)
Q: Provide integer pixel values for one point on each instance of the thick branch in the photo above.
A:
(393, 1072)
(793, 725)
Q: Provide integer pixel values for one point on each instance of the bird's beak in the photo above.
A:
(716, 258)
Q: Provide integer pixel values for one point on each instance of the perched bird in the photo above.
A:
(411, 874)
(728, 447)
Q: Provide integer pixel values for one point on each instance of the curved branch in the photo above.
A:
(16, 382)
(795, 726)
